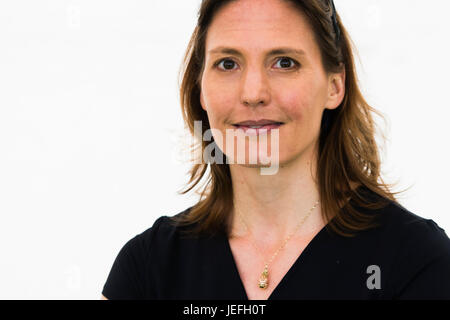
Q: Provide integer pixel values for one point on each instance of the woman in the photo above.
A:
(324, 225)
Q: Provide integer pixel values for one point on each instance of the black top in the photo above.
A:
(408, 257)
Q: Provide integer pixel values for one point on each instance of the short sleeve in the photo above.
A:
(126, 278)
(431, 282)
(423, 268)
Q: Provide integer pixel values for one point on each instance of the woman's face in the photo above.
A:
(251, 83)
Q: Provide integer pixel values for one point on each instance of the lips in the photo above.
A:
(262, 122)
(259, 129)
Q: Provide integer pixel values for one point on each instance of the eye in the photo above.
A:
(285, 61)
(227, 63)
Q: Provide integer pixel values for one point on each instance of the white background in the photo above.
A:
(90, 123)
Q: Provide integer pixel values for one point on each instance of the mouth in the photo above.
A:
(258, 129)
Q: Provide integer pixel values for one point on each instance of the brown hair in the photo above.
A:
(348, 153)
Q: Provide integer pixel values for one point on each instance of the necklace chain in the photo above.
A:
(263, 282)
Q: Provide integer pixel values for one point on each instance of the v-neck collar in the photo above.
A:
(297, 264)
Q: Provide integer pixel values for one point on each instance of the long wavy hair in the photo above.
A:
(348, 152)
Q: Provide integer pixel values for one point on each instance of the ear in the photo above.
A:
(202, 102)
(336, 89)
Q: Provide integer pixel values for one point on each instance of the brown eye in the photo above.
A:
(227, 64)
(285, 63)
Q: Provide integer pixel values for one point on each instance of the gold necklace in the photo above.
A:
(263, 282)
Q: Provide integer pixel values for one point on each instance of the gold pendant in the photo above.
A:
(263, 280)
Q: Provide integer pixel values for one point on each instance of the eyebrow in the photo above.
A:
(275, 51)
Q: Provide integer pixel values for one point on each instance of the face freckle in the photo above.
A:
(257, 85)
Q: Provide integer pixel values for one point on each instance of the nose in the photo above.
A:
(255, 88)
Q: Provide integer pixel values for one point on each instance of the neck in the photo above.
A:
(272, 206)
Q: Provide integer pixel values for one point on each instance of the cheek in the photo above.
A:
(294, 103)
(298, 101)
(218, 102)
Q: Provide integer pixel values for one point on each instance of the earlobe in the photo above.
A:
(202, 103)
(336, 90)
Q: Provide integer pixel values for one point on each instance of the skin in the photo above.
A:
(258, 86)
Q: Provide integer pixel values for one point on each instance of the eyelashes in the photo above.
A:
(295, 63)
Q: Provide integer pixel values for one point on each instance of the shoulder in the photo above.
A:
(421, 255)
(415, 233)
(162, 237)
(163, 231)
(415, 251)
(409, 232)
(137, 265)
(404, 227)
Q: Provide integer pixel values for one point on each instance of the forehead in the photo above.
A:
(254, 24)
